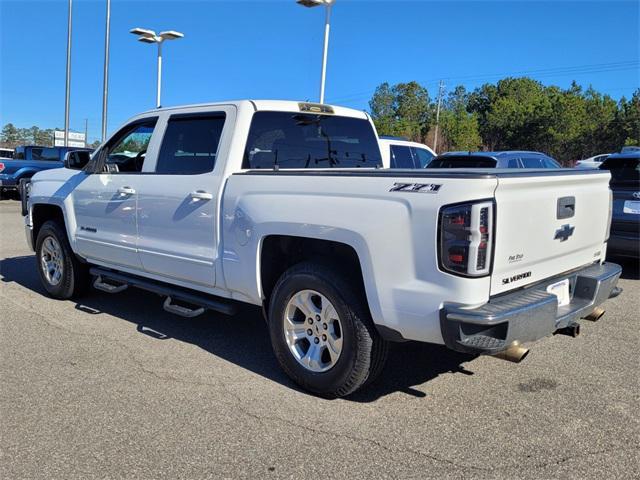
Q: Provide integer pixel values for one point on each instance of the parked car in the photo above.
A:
(398, 152)
(630, 149)
(624, 238)
(592, 162)
(506, 159)
(6, 153)
(28, 160)
(283, 205)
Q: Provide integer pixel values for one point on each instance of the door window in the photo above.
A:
(513, 163)
(422, 156)
(127, 151)
(190, 144)
(532, 162)
(401, 157)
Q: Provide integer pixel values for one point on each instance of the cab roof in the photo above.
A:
(270, 105)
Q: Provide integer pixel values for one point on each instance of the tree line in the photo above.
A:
(512, 114)
(12, 136)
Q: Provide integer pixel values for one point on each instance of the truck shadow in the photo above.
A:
(243, 339)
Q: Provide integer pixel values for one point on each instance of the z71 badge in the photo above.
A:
(416, 187)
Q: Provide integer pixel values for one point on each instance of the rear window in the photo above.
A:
(466, 161)
(623, 170)
(304, 140)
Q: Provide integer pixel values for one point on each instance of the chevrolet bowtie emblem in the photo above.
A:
(564, 232)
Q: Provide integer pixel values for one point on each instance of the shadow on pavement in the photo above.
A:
(242, 339)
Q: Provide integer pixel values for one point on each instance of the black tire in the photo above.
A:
(75, 278)
(363, 350)
(22, 182)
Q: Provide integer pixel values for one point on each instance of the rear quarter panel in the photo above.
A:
(393, 234)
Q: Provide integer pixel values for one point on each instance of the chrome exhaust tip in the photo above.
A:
(595, 315)
(515, 353)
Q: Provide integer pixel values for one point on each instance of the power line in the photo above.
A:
(540, 73)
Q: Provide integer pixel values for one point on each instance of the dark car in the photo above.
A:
(506, 159)
(28, 160)
(624, 240)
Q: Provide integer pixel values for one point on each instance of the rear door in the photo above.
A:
(547, 224)
(178, 201)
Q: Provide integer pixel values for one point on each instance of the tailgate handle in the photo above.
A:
(566, 207)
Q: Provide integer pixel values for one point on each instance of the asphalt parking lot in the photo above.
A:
(114, 387)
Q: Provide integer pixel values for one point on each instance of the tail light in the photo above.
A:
(466, 238)
(1, 167)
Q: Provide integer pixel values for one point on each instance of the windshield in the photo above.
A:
(466, 161)
(304, 140)
(623, 170)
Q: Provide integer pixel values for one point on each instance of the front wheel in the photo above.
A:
(62, 274)
(322, 333)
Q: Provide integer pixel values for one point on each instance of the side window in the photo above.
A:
(127, 151)
(19, 154)
(532, 162)
(550, 163)
(190, 144)
(513, 163)
(401, 157)
(422, 156)
(50, 154)
(36, 154)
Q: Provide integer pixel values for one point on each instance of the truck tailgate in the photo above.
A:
(547, 224)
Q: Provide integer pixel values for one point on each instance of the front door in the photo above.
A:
(105, 201)
(178, 202)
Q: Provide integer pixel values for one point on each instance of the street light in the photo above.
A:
(149, 36)
(328, 4)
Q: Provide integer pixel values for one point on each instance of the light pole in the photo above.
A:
(149, 36)
(67, 92)
(327, 27)
(105, 80)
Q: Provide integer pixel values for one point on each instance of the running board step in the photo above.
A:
(100, 284)
(190, 297)
(181, 310)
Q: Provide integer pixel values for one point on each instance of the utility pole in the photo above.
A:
(86, 131)
(440, 95)
(68, 83)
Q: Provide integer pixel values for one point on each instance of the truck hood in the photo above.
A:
(55, 175)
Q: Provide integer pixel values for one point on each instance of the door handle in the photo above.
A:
(126, 191)
(201, 195)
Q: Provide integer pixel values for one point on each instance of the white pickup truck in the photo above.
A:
(284, 205)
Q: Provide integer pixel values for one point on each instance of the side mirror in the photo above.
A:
(76, 159)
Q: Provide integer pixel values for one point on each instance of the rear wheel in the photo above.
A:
(62, 274)
(321, 331)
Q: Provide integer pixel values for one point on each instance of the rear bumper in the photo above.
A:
(528, 314)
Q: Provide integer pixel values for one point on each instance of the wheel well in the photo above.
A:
(280, 252)
(42, 213)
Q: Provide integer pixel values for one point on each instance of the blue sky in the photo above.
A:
(272, 49)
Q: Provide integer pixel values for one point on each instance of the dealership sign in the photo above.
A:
(76, 139)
